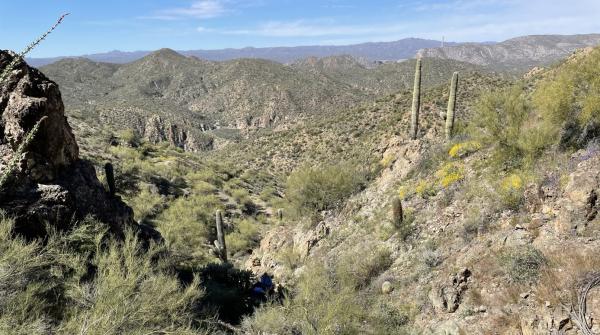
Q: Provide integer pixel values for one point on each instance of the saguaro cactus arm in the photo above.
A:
(416, 103)
(450, 113)
(110, 178)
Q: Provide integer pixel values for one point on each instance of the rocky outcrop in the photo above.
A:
(447, 296)
(157, 130)
(50, 185)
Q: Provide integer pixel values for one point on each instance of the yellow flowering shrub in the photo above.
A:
(511, 191)
(387, 161)
(403, 192)
(463, 149)
(512, 183)
(450, 173)
(423, 188)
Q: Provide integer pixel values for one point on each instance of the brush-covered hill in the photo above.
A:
(517, 54)
(382, 79)
(197, 104)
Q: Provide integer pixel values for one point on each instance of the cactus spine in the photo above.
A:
(397, 212)
(416, 104)
(220, 246)
(451, 106)
(110, 178)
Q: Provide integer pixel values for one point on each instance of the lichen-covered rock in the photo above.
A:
(51, 185)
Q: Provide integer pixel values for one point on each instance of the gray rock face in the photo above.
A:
(51, 184)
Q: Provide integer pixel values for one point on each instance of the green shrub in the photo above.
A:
(85, 282)
(314, 189)
(357, 268)
(244, 237)
(499, 120)
(319, 306)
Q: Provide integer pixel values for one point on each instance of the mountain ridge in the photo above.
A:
(517, 54)
(395, 50)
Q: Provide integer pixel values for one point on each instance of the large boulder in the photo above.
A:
(50, 185)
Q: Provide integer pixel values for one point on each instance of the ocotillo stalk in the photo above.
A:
(14, 162)
(6, 71)
(110, 178)
(416, 104)
(221, 237)
(451, 106)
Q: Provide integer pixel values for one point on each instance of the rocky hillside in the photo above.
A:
(517, 54)
(495, 234)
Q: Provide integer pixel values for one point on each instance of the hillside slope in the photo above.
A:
(498, 230)
(517, 54)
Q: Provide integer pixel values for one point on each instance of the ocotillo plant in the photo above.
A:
(6, 71)
(397, 212)
(451, 106)
(110, 178)
(416, 104)
(221, 248)
(12, 164)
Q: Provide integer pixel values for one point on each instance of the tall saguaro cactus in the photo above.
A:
(221, 249)
(397, 212)
(416, 104)
(110, 178)
(450, 113)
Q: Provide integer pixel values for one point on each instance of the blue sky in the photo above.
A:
(99, 26)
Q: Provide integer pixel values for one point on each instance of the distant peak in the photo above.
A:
(166, 52)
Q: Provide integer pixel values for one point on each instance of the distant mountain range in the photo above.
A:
(397, 50)
(517, 54)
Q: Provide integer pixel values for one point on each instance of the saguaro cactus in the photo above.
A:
(397, 212)
(451, 106)
(416, 104)
(221, 248)
(280, 215)
(110, 178)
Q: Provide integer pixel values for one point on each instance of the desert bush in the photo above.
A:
(314, 189)
(188, 224)
(245, 236)
(123, 296)
(523, 264)
(510, 191)
(319, 306)
(357, 268)
(499, 119)
(86, 282)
